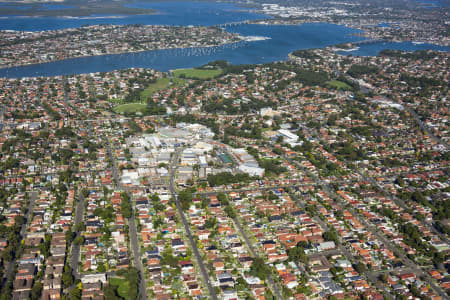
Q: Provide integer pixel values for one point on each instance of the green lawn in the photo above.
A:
(178, 81)
(160, 84)
(117, 101)
(197, 73)
(339, 85)
(130, 108)
(122, 286)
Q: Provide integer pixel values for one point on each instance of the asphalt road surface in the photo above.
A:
(187, 229)
(132, 231)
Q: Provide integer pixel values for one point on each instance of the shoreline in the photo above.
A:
(232, 38)
(251, 39)
(364, 34)
(79, 10)
(242, 39)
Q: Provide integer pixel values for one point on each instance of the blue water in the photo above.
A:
(168, 13)
(15, 6)
(374, 49)
(43, 6)
(54, 6)
(429, 4)
(283, 40)
(381, 25)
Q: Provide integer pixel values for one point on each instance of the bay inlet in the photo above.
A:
(263, 43)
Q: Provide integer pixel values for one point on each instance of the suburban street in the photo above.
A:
(416, 117)
(278, 173)
(258, 188)
(388, 244)
(173, 169)
(131, 225)
(343, 250)
(28, 214)
(75, 253)
(403, 205)
(330, 191)
(273, 286)
(387, 194)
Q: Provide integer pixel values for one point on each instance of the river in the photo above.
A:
(281, 39)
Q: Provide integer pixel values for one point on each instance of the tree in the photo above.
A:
(400, 181)
(360, 268)
(268, 295)
(125, 205)
(36, 291)
(167, 258)
(70, 235)
(230, 212)
(357, 70)
(101, 267)
(418, 197)
(111, 292)
(78, 240)
(332, 120)
(259, 268)
(85, 192)
(132, 277)
(383, 277)
(8, 254)
(415, 291)
(211, 222)
(185, 198)
(297, 254)
(45, 246)
(158, 222)
(67, 278)
(75, 294)
(331, 235)
(438, 258)
(79, 226)
(222, 198)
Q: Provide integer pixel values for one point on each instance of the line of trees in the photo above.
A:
(125, 205)
(51, 111)
(227, 178)
(357, 70)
